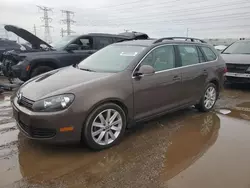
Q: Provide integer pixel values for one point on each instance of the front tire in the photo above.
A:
(104, 127)
(208, 99)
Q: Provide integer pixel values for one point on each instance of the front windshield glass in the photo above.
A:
(62, 42)
(240, 47)
(114, 58)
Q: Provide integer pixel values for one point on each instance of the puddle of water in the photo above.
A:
(226, 164)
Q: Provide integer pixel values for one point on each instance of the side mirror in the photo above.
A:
(145, 70)
(72, 47)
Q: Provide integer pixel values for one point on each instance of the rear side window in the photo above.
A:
(188, 54)
(211, 56)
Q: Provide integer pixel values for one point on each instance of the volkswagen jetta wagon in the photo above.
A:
(111, 90)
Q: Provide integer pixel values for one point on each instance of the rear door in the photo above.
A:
(193, 72)
(160, 91)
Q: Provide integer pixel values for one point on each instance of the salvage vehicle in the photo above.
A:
(237, 58)
(12, 55)
(121, 84)
(67, 51)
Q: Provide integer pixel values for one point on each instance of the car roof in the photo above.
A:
(150, 42)
(106, 35)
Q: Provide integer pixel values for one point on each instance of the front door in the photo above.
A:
(158, 92)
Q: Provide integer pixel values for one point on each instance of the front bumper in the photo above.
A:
(45, 126)
(237, 77)
(20, 72)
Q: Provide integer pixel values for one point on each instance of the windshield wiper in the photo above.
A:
(226, 53)
(89, 70)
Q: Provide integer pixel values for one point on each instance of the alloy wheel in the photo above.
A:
(106, 127)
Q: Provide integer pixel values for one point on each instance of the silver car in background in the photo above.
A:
(237, 58)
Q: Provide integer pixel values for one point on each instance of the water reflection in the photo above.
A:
(147, 156)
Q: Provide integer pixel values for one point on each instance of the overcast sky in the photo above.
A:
(202, 18)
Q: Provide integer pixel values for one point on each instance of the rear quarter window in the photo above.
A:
(210, 55)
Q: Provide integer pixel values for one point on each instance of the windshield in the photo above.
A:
(240, 47)
(62, 42)
(114, 58)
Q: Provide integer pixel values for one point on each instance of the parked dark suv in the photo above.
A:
(65, 52)
(121, 84)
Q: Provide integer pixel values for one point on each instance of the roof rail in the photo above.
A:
(186, 39)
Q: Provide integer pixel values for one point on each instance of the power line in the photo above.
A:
(68, 21)
(183, 12)
(46, 19)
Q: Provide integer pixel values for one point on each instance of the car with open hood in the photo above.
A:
(237, 58)
(123, 83)
(13, 54)
(64, 52)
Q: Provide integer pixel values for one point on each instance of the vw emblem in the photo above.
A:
(19, 97)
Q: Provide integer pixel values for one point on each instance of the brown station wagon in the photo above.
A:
(124, 83)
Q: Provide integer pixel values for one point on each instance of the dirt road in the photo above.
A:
(181, 149)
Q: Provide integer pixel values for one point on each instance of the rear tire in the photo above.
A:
(100, 130)
(208, 99)
(40, 70)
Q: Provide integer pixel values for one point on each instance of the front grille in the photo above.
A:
(25, 127)
(237, 68)
(37, 132)
(238, 80)
(26, 103)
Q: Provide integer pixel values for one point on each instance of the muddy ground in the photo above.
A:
(181, 149)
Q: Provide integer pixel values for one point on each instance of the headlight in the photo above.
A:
(55, 103)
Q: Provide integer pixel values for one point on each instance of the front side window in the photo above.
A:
(101, 42)
(62, 43)
(209, 53)
(161, 58)
(240, 47)
(113, 58)
(189, 55)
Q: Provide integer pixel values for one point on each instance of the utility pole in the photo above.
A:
(187, 31)
(46, 19)
(68, 21)
(62, 32)
(34, 29)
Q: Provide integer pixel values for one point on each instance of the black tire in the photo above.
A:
(201, 105)
(40, 70)
(86, 132)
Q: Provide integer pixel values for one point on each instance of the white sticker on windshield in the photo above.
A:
(128, 53)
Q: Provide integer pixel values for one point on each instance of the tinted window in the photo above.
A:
(161, 58)
(103, 41)
(240, 47)
(189, 55)
(112, 58)
(209, 53)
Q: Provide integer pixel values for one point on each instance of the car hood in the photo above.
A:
(58, 82)
(236, 58)
(26, 35)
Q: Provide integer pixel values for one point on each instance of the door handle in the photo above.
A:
(176, 78)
